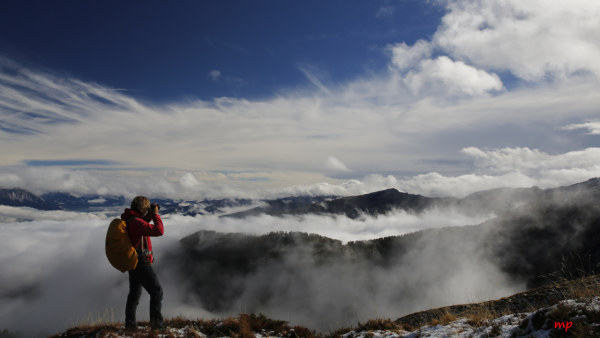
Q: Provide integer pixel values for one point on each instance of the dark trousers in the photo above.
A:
(143, 276)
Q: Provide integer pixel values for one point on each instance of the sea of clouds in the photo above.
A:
(56, 275)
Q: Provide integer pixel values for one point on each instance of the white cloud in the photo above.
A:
(532, 161)
(334, 164)
(446, 76)
(214, 74)
(335, 227)
(508, 159)
(510, 167)
(532, 39)
(441, 76)
(593, 127)
(10, 214)
(506, 167)
(188, 180)
(385, 12)
(314, 76)
(405, 57)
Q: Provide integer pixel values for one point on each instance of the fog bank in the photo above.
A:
(57, 261)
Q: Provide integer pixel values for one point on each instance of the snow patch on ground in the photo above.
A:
(505, 326)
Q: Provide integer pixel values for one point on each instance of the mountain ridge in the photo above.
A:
(378, 203)
(483, 202)
(17, 197)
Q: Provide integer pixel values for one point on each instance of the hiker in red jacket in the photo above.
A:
(140, 231)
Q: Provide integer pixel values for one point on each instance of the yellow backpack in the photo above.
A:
(119, 251)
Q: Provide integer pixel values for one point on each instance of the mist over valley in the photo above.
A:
(323, 262)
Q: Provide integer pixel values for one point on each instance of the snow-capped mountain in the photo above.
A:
(22, 198)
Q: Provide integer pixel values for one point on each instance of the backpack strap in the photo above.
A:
(140, 248)
(142, 240)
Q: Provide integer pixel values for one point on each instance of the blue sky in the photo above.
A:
(227, 98)
(206, 49)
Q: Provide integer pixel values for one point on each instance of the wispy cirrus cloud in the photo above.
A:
(214, 74)
(69, 163)
(334, 164)
(593, 127)
(385, 12)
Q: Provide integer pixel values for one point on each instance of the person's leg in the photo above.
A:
(152, 285)
(133, 298)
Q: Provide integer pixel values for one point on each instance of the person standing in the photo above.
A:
(143, 222)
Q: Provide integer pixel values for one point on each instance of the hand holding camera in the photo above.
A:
(154, 207)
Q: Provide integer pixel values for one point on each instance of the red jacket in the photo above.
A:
(140, 226)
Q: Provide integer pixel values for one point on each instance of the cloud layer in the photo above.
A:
(490, 168)
(495, 75)
(54, 250)
(534, 40)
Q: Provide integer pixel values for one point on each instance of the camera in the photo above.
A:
(154, 205)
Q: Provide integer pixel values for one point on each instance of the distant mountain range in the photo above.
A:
(64, 201)
(493, 201)
(23, 198)
(57, 200)
(383, 202)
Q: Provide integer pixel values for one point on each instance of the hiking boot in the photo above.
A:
(159, 326)
(130, 327)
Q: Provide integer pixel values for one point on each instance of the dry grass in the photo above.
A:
(583, 288)
(477, 316)
(574, 273)
(242, 326)
(369, 327)
(483, 314)
(444, 318)
(100, 322)
(107, 317)
(378, 325)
